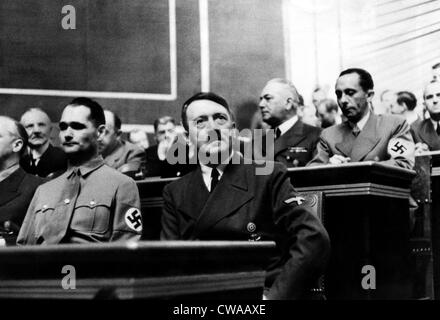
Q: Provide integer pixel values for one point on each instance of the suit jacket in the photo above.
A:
(296, 147)
(125, 157)
(246, 206)
(370, 145)
(423, 131)
(53, 162)
(16, 192)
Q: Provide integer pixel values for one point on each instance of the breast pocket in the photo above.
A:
(92, 215)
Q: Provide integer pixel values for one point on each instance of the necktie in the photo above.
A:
(277, 133)
(356, 130)
(214, 179)
(438, 128)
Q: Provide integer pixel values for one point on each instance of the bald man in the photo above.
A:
(16, 186)
(42, 158)
(119, 154)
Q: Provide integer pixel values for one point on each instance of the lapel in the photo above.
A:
(194, 194)
(291, 138)
(366, 140)
(429, 135)
(9, 186)
(231, 193)
(346, 145)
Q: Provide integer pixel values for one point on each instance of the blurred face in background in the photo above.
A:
(38, 127)
(109, 140)
(165, 132)
(327, 118)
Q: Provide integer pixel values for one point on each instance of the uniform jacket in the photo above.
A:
(106, 208)
(246, 206)
(370, 145)
(125, 157)
(296, 147)
(423, 131)
(16, 192)
(52, 163)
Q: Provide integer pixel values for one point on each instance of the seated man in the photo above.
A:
(295, 141)
(42, 158)
(117, 153)
(16, 186)
(327, 112)
(226, 199)
(364, 136)
(90, 202)
(427, 132)
(156, 156)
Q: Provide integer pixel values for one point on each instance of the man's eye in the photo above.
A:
(338, 94)
(63, 126)
(429, 96)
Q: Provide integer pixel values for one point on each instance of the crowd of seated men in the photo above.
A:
(83, 191)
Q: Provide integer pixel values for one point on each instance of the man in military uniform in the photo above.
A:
(118, 153)
(295, 141)
(226, 199)
(90, 202)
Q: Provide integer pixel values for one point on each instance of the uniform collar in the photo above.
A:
(286, 125)
(87, 167)
(7, 172)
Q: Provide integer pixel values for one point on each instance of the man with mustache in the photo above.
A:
(42, 158)
(427, 132)
(364, 136)
(90, 202)
(226, 198)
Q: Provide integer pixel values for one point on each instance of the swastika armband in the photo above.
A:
(400, 148)
(133, 219)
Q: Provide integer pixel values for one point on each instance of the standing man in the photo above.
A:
(90, 202)
(42, 158)
(295, 141)
(226, 199)
(16, 186)
(427, 132)
(118, 153)
(364, 136)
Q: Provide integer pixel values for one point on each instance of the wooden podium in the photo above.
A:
(152, 270)
(366, 213)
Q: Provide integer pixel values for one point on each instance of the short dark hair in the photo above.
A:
(163, 120)
(211, 96)
(365, 79)
(408, 98)
(330, 105)
(96, 111)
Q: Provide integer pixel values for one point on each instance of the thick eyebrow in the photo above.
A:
(266, 96)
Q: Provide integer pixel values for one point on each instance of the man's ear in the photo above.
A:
(17, 145)
(370, 95)
(101, 130)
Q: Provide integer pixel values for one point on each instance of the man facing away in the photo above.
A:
(42, 159)
(16, 186)
(90, 202)
(226, 199)
(364, 136)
